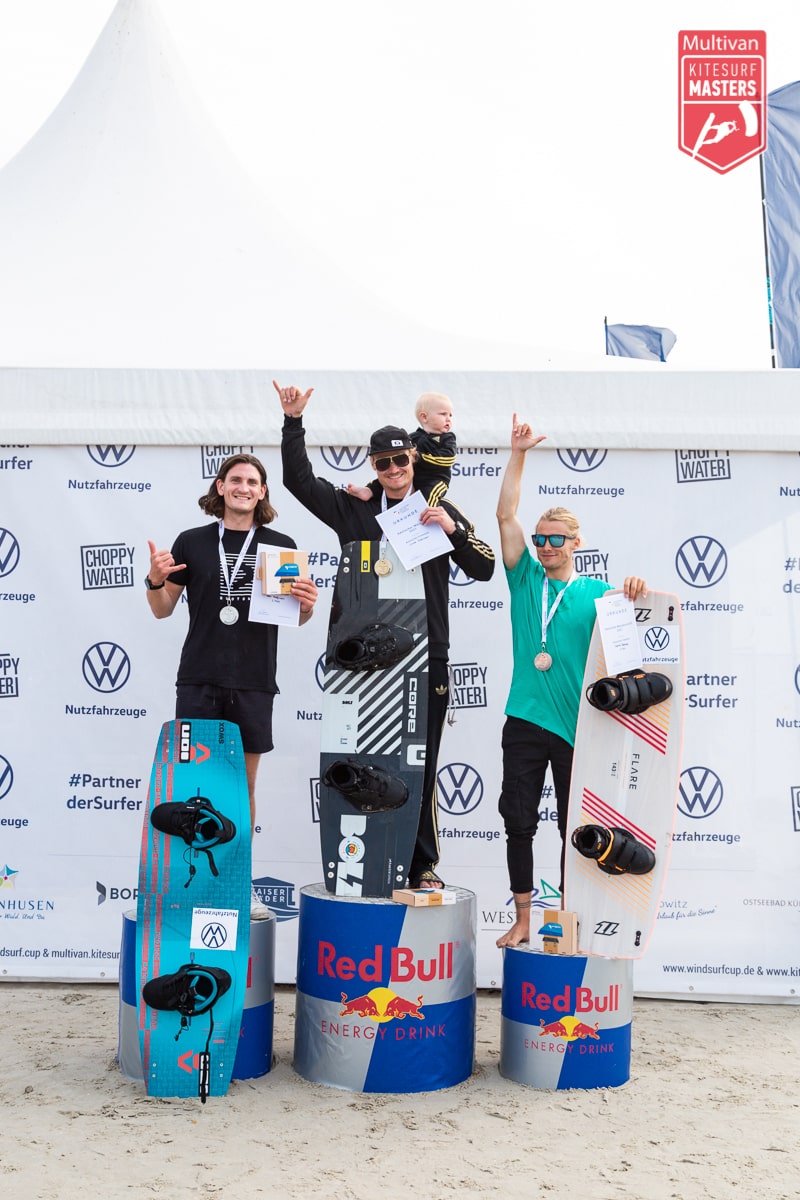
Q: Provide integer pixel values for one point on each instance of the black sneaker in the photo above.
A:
(631, 692)
(190, 991)
(616, 851)
(374, 647)
(369, 789)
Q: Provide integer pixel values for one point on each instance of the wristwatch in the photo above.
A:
(153, 587)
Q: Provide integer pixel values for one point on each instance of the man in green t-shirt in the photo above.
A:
(552, 618)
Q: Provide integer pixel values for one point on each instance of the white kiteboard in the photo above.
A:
(625, 777)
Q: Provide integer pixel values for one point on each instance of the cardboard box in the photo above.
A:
(277, 568)
(568, 941)
(424, 897)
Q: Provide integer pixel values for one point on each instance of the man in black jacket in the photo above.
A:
(392, 456)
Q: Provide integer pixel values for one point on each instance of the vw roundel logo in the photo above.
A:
(656, 638)
(9, 552)
(106, 667)
(110, 456)
(797, 679)
(344, 458)
(457, 576)
(214, 935)
(701, 792)
(460, 789)
(582, 460)
(319, 672)
(701, 561)
(6, 777)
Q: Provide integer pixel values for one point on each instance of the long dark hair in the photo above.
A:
(213, 504)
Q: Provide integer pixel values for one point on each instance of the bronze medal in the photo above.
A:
(543, 661)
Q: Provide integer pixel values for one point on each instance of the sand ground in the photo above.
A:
(712, 1110)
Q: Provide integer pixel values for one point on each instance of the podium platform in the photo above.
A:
(385, 992)
(254, 1052)
(566, 1019)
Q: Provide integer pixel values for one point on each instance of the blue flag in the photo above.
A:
(639, 341)
(781, 163)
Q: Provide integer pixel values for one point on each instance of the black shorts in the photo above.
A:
(251, 711)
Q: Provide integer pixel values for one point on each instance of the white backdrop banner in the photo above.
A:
(87, 678)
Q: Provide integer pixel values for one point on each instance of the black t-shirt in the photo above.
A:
(238, 656)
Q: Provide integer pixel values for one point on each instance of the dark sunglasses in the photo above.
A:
(383, 464)
(556, 540)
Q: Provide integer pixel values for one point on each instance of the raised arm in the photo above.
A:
(512, 535)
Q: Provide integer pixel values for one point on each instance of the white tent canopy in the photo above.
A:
(150, 293)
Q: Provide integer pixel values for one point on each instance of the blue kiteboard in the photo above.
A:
(193, 914)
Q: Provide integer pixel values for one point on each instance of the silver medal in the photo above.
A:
(228, 615)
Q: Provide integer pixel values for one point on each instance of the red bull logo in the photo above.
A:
(568, 1035)
(379, 1009)
(382, 1004)
(403, 967)
(571, 1000)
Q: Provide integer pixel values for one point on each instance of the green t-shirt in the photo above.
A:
(550, 698)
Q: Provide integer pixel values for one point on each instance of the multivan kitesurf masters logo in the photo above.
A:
(722, 96)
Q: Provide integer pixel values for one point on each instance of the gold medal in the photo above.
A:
(543, 661)
(383, 567)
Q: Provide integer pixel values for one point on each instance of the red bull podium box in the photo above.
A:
(385, 992)
(566, 1019)
(254, 1051)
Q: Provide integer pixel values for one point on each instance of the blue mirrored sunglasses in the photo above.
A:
(556, 540)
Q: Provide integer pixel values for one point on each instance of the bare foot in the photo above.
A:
(428, 879)
(519, 932)
(362, 493)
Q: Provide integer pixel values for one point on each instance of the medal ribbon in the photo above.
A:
(548, 616)
(223, 561)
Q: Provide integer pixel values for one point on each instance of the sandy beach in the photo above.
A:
(712, 1109)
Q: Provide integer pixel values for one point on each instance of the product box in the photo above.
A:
(567, 940)
(424, 897)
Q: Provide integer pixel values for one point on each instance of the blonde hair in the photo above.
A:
(565, 516)
(425, 401)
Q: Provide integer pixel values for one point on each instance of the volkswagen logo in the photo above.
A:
(106, 667)
(457, 576)
(656, 638)
(344, 458)
(460, 787)
(701, 561)
(9, 552)
(582, 460)
(6, 777)
(319, 672)
(110, 456)
(701, 792)
(797, 679)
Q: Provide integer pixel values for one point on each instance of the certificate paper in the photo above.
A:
(413, 542)
(616, 616)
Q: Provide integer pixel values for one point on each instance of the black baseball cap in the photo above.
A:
(389, 439)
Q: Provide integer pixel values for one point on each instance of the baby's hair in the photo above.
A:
(426, 400)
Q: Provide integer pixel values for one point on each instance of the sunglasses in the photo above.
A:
(556, 540)
(383, 464)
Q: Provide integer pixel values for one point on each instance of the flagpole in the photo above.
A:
(766, 258)
(605, 327)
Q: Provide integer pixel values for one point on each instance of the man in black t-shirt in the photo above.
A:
(228, 663)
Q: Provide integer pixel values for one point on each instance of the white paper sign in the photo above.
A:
(413, 542)
(214, 929)
(616, 616)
